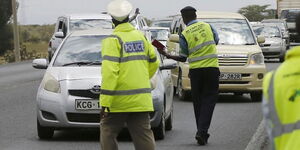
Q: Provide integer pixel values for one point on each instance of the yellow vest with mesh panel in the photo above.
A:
(201, 46)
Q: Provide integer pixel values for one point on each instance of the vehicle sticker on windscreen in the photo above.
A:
(134, 47)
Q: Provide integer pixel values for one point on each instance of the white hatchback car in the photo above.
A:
(68, 96)
(74, 22)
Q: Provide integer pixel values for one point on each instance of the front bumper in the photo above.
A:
(55, 111)
(272, 52)
(252, 77)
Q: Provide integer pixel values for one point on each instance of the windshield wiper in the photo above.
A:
(249, 44)
(80, 63)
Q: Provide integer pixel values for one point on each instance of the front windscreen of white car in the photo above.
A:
(79, 49)
(232, 31)
(83, 24)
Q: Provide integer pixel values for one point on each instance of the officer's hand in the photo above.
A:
(162, 51)
(104, 114)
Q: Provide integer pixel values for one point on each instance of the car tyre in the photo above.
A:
(182, 94)
(44, 132)
(169, 121)
(160, 131)
(256, 96)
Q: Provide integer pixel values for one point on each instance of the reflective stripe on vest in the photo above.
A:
(272, 117)
(200, 46)
(126, 92)
(190, 60)
(128, 58)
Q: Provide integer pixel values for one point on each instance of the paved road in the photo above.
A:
(235, 120)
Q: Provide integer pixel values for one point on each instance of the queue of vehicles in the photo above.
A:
(68, 94)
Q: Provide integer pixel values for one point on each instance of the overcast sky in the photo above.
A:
(46, 11)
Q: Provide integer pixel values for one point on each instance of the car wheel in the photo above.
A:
(182, 94)
(256, 96)
(160, 131)
(44, 132)
(169, 121)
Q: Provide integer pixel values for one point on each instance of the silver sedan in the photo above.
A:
(275, 45)
(68, 96)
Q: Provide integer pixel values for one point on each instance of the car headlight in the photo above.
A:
(51, 84)
(257, 59)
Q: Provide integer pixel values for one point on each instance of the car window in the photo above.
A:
(159, 34)
(165, 23)
(232, 31)
(83, 24)
(267, 31)
(60, 26)
(290, 15)
(280, 25)
(80, 49)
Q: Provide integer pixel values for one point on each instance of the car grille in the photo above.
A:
(84, 93)
(232, 60)
(87, 118)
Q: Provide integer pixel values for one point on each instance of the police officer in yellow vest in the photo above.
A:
(281, 105)
(198, 45)
(129, 61)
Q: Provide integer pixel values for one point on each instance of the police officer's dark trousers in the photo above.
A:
(205, 93)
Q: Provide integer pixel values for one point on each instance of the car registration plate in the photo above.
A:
(83, 104)
(230, 76)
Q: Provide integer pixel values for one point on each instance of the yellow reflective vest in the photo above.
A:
(281, 105)
(201, 46)
(128, 63)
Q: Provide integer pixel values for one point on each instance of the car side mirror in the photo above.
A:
(168, 64)
(59, 35)
(261, 39)
(40, 63)
(174, 38)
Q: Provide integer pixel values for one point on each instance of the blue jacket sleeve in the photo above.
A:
(216, 35)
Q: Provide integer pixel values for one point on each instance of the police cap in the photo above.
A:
(188, 9)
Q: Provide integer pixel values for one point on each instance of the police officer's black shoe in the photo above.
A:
(202, 138)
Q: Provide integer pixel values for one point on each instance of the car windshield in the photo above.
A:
(161, 24)
(267, 31)
(290, 15)
(80, 50)
(232, 31)
(83, 24)
(160, 34)
(280, 25)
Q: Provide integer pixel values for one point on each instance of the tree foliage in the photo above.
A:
(257, 12)
(6, 35)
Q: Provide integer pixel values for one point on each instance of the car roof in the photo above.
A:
(211, 14)
(94, 31)
(163, 28)
(88, 16)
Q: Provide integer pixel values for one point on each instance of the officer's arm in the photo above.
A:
(154, 62)
(110, 69)
(216, 35)
(183, 51)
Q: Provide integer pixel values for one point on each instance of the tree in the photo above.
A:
(257, 12)
(6, 35)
